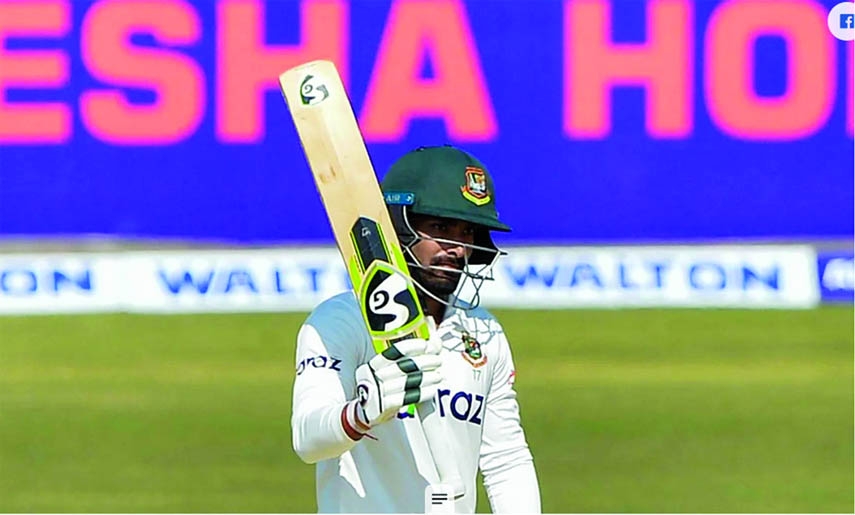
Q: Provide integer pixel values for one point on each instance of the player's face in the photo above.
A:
(447, 254)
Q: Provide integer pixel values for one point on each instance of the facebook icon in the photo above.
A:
(841, 21)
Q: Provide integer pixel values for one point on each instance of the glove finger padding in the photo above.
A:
(433, 345)
(430, 384)
(412, 389)
(406, 349)
(428, 362)
(402, 390)
(412, 347)
(399, 376)
(405, 366)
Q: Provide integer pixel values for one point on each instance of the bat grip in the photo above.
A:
(439, 442)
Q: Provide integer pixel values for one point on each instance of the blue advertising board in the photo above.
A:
(836, 274)
(602, 121)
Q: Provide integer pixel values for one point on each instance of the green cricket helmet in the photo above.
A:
(447, 182)
(444, 181)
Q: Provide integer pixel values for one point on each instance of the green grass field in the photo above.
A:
(626, 411)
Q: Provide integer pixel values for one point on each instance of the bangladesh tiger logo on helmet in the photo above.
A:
(475, 190)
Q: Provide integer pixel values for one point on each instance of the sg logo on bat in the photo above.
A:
(313, 91)
(389, 301)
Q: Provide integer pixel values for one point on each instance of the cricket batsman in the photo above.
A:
(351, 406)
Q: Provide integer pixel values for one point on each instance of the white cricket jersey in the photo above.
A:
(476, 401)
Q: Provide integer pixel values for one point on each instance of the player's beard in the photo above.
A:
(438, 282)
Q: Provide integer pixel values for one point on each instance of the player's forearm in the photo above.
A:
(322, 433)
(513, 489)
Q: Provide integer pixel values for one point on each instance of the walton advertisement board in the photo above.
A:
(292, 279)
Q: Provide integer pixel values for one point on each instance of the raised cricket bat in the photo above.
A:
(363, 229)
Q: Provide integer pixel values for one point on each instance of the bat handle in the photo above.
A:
(439, 443)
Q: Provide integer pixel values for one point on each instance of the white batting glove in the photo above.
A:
(408, 372)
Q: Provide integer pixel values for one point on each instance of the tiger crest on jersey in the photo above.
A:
(472, 352)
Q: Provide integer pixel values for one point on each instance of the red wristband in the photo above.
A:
(349, 430)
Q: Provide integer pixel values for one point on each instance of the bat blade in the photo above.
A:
(347, 183)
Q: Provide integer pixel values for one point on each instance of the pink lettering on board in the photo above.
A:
(733, 104)
(34, 122)
(593, 65)
(456, 93)
(177, 80)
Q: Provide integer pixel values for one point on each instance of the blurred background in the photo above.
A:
(678, 290)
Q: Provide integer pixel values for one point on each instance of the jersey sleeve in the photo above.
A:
(330, 346)
(505, 459)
